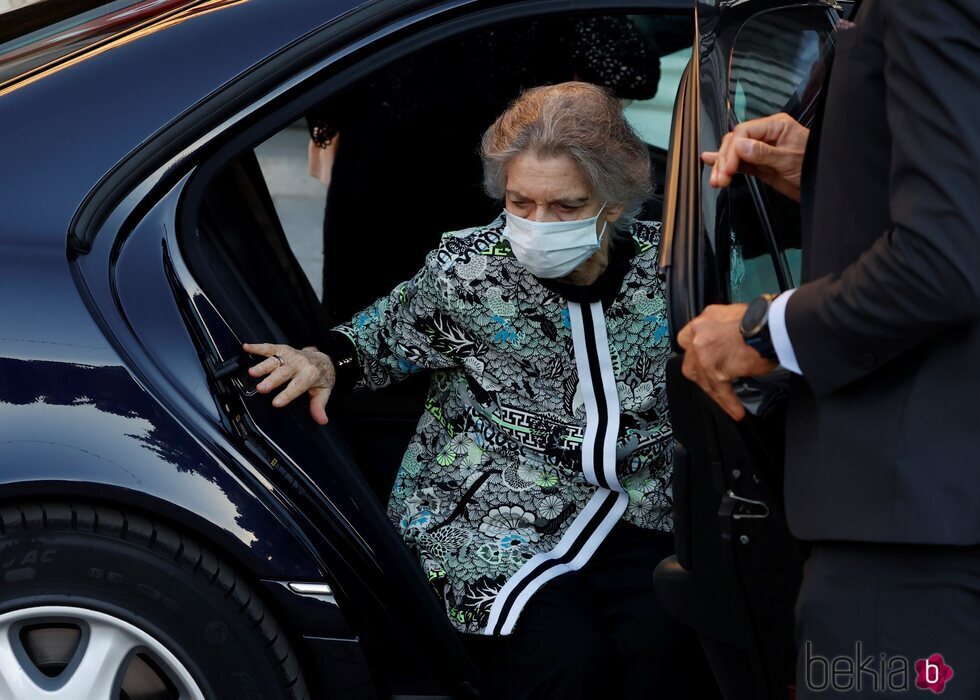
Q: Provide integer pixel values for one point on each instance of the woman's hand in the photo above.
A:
(307, 371)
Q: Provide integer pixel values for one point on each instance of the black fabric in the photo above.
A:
(583, 538)
(882, 429)
(598, 633)
(898, 600)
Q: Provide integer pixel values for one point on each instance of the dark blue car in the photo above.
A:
(164, 531)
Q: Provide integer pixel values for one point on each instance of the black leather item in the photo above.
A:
(883, 430)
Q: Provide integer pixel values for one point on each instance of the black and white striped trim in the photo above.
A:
(607, 505)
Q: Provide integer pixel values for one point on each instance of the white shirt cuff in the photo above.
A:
(779, 334)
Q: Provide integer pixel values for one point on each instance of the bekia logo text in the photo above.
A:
(885, 674)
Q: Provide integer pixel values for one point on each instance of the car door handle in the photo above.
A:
(235, 369)
(739, 507)
(233, 366)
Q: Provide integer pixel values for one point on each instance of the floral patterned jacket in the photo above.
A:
(545, 423)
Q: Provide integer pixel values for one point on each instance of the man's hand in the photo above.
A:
(770, 148)
(715, 354)
(307, 371)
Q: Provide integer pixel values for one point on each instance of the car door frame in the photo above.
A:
(729, 519)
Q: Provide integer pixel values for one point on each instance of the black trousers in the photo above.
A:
(868, 613)
(598, 633)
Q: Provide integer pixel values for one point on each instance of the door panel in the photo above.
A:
(738, 569)
(233, 257)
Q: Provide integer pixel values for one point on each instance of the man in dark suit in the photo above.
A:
(883, 430)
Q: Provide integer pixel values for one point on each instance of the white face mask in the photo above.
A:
(552, 249)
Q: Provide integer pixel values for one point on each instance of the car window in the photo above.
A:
(298, 196)
(750, 264)
(751, 271)
(777, 63)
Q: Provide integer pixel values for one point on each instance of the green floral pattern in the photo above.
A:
(493, 474)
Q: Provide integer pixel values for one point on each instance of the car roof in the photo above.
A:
(67, 122)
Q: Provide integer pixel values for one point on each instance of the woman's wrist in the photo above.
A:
(343, 360)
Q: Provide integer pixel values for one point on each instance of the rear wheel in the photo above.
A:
(105, 605)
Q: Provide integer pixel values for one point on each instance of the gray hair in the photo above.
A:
(579, 120)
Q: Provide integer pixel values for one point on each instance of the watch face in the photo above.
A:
(755, 314)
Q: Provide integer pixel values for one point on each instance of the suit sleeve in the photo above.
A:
(921, 277)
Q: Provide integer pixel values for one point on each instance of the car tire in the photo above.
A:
(127, 608)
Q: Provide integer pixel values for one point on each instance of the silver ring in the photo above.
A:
(281, 363)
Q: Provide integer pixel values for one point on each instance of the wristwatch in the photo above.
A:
(755, 326)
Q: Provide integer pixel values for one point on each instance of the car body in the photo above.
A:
(121, 385)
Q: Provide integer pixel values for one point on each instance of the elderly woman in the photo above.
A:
(536, 489)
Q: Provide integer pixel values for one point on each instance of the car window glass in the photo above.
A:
(778, 62)
(785, 217)
(750, 267)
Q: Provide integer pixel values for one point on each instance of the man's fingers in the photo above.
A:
(721, 392)
(689, 367)
(709, 157)
(724, 395)
(759, 153)
(684, 337)
(767, 130)
(719, 176)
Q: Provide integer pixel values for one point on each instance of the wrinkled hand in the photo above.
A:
(307, 371)
(715, 354)
(770, 148)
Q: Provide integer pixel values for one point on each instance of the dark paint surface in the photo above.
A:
(76, 430)
(86, 116)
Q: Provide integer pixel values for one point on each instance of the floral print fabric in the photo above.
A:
(494, 474)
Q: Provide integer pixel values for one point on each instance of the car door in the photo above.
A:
(737, 569)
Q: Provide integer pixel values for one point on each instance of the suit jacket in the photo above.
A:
(884, 426)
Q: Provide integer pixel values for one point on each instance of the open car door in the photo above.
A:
(737, 570)
(235, 279)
